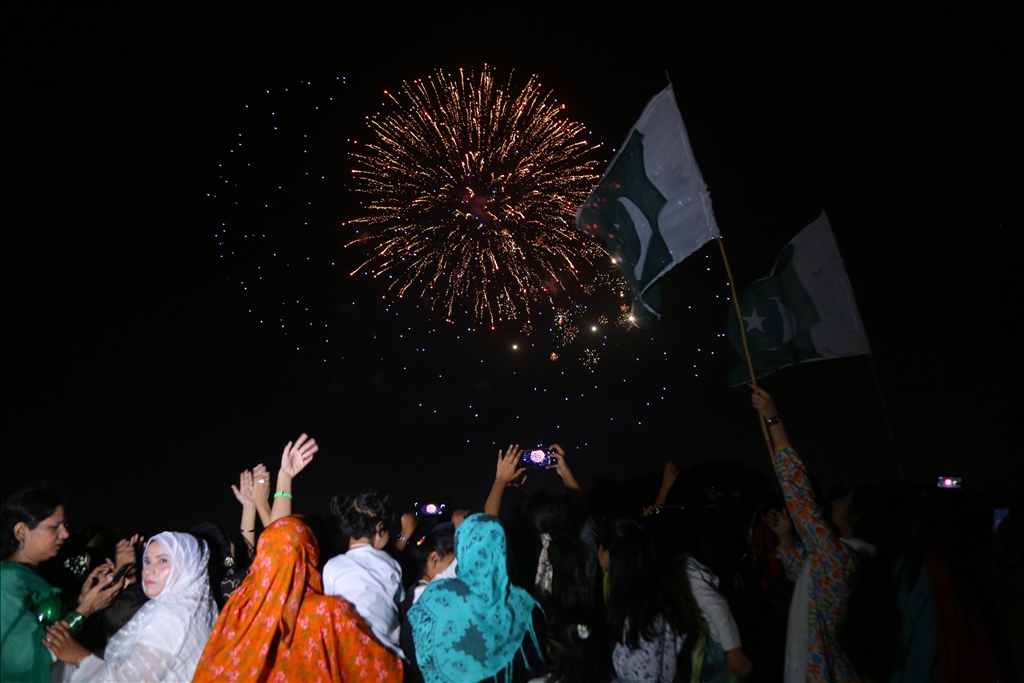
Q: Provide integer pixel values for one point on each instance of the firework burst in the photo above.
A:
(472, 191)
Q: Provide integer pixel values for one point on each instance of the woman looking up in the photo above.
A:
(32, 530)
(279, 626)
(165, 638)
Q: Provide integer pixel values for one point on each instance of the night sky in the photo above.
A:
(158, 163)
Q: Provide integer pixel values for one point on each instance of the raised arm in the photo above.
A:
(572, 488)
(668, 480)
(294, 458)
(806, 514)
(260, 494)
(243, 492)
(507, 471)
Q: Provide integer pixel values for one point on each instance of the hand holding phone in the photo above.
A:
(119, 574)
(538, 457)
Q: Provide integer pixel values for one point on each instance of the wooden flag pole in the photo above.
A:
(743, 336)
(885, 415)
(743, 332)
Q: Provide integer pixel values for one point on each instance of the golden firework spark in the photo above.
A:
(472, 191)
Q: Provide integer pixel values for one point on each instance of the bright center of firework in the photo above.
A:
(476, 205)
(473, 189)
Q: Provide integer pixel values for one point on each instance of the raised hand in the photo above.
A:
(762, 401)
(260, 491)
(126, 553)
(243, 492)
(296, 457)
(98, 591)
(508, 465)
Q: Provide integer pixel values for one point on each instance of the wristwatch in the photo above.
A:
(772, 421)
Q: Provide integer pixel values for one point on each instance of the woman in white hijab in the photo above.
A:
(165, 638)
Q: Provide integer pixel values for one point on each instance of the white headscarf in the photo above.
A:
(165, 638)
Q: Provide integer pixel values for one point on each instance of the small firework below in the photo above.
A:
(602, 319)
(590, 357)
(625, 319)
(554, 356)
(588, 289)
(472, 187)
(528, 329)
(624, 308)
(567, 333)
(613, 281)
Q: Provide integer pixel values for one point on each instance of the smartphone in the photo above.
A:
(538, 458)
(430, 508)
(119, 574)
(950, 482)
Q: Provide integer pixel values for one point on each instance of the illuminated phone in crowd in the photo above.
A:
(430, 508)
(538, 458)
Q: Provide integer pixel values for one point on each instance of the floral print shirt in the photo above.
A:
(832, 564)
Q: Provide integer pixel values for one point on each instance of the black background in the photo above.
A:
(134, 376)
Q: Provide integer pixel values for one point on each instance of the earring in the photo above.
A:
(21, 544)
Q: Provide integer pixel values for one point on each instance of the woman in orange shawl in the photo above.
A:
(279, 626)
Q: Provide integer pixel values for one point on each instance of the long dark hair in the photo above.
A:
(30, 506)
(638, 592)
(572, 566)
(579, 648)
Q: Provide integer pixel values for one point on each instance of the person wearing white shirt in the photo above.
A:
(714, 608)
(366, 575)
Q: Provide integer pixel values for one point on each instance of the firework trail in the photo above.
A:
(472, 192)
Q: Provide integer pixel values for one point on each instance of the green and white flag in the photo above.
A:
(803, 310)
(652, 208)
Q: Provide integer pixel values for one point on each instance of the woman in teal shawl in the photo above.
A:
(477, 627)
(32, 530)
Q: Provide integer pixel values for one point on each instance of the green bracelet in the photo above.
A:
(282, 493)
(75, 621)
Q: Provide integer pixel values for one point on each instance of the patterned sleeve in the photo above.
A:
(808, 518)
(792, 562)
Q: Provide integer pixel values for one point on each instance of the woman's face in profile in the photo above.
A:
(156, 567)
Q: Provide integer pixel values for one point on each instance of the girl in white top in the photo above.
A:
(165, 638)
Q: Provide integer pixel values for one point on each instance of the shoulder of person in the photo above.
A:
(18, 578)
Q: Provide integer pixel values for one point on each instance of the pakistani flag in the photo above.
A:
(652, 208)
(803, 310)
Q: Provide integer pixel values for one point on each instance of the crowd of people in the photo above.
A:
(713, 580)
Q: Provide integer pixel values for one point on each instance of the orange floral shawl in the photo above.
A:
(279, 626)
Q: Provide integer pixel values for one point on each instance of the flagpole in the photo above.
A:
(743, 332)
(743, 336)
(885, 415)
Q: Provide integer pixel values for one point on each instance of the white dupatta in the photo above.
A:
(165, 638)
